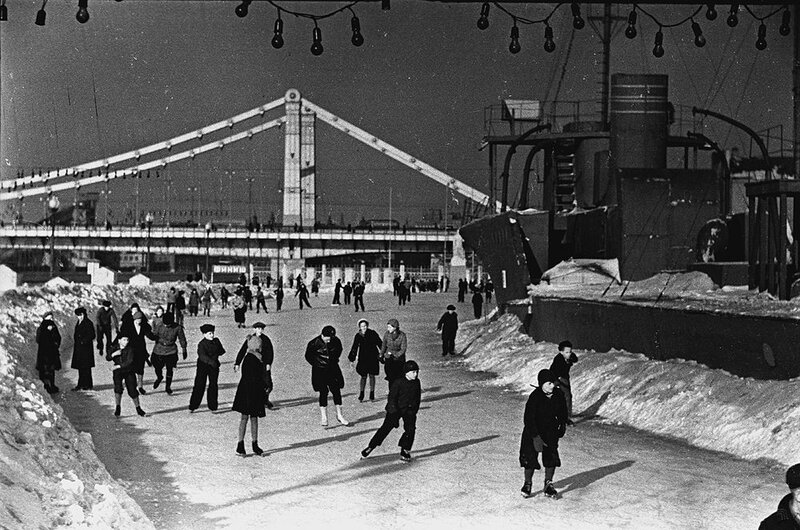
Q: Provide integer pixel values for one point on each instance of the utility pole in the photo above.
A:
(391, 228)
(444, 249)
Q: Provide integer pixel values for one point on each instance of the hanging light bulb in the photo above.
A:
(277, 39)
(82, 15)
(549, 45)
(711, 13)
(786, 23)
(355, 25)
(630, 31)
(577, 19)
(658, 48)
(699, 40)
(483, 20)
(761, 42)
(241, 9)
(514, 47)
(41, 15)
(316, 47)
(3, 11)
(733, 17)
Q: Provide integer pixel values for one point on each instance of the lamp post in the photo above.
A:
(193, 191)
(53, 204)
(149, 220)
(208, 232)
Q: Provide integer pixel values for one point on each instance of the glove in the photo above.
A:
(539, 444)
(184, 355)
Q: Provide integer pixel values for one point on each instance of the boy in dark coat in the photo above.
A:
(358, 296)
(448, 325)
(83, 350)
(124, 373)
(208, 351)
(106, 321)
(787, 517)
(403, 401)
(48, 359)
(545, 423)
(560, 366)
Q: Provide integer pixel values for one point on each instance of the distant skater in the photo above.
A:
(403, 402)
(249, 399)
(477, 304)
(239, 310)
(337, 289)
(48, 358)
(560, 366)
(393, 351)
(261, 301)
(358, 296)
(367, 348)
(302, 292)
(323, 353)
(83, 350)
(278, 297)
(209, 350)
(106, 321)
(348, 291)
(165, 352)
(206, 298)
(448, 325)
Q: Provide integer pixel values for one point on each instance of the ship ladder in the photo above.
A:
(565, 178)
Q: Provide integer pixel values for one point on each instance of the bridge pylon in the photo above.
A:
(299, 164)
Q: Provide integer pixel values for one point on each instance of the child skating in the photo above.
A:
(124, 373)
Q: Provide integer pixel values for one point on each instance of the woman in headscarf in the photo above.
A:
(393, 351)
(323, 353)
(367, 347)
(48, 360)
(250, 399)
(239, 309)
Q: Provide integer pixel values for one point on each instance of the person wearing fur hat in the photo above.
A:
(545, 422)
(48, 359)
(448, 325)
(366, 347)
(123, 360)
(165, 352)
(267, 358)
(560, 366)
(249, 399)
(322, 353)
(403, 402)
(105, 321)
(393, 350)
(83, 350)
(208, 351)
(137, 328)
(787, 516)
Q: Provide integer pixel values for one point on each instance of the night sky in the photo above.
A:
(142, 71)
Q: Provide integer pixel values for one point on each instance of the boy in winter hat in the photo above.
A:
(560, 366)
(403, 401)
(545, 423)
(124, 372)
(448, 325)
(787, 517)
(208, 351)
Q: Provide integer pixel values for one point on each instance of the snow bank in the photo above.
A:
(752, 419)
(50, 476)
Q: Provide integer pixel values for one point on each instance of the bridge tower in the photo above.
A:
(299, 164)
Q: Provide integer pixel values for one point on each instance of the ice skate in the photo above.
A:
(257, 450)
(240, 449)
(323, 416)
(117, 411)
(339, 416)
(366, 451)
(405, 455)
(549, 490)
(140, 412)
(526, 490)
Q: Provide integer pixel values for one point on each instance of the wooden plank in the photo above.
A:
(763, 244)
(752, 243)
(783, 248)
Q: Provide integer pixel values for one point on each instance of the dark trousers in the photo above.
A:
(206, 309)
(448, 344)
(359, 300)
(85, 378)
(278, 304)
(392, 421)
(335, 391)
(160, 361)
(261, 303)
(346, 299)
(567, 390)
(205, 372)
(477, 310)
(104, 333)
(129, 381)
(304, 300)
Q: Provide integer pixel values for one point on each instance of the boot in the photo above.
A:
(526, 489)
(240, 449)
(256, 449)
(405, 455)
(117, 411)
(372, 396)
(157, 381)
(366, 451)
(361, 396)
(323, 416)
(549, 490)
(339, 416)
(168, 387)
(140, 412)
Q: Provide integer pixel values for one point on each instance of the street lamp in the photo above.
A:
(208, 232)
(193, 191)
(53, 204)
(149, 220)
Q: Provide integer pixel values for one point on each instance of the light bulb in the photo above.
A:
(658, 48)
(41, 15)
(577, 19)
(549, 45)
(630, 31)
(514, 47)
(699, 40)
(786, 23)
(711, 13)
(483, 20)
(277, 40)
(355, 25)
(733, 17)
(241, 9)
(82, 15)
(316, 47)
(761, 42)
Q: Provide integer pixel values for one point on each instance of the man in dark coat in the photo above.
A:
(48, 359)
(348, 291)
(545, 423)
(137, 330)
(83, 350)
(337, 289)
(448, 325)
(477, 304)
(358, 296)
(403, 402)
(462, 289)
(278, 296)
(208, 351)
(560, 366)
(323, 353)
(106, 321)
(787, 516)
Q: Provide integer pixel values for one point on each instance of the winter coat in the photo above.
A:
(545, 417)
(106, 319)
(49, 340)
(448, 324)
(166, 338)
(267, 351)
(368, 348)
(194, 299)
(782, 519)
(404, 396)
(560, 367)
(358, 290)
(138, 344)
(171, 297)
(324, 361)
(125, 359)
(208, 352)
(180, 302)
(250, 395)
(83, 345)
(393, 353)
(208, 294)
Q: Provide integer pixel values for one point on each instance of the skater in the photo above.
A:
(323, 353)
(83, 350)
(315, 287)
(403, 402)
(358, 296)
(787, 516)
(48, 358)
(545, 423)
(239, 309)
(249, 399)
(393, 351)
(448, 325)
(302, 290)
(462, 289)
(208, 351)
(278, 297)
(106, 321)
(395, 282)
(402, 292)
(367, 347)
(206, 298)
(224, 294)
(336, 290)
(260, 300)
(171, 295)
(180, 305)
(477, 304)
(489, 288)
(137, 331)
(127, 317)
(123, 371)
(348, 291)
(267, 358)
(165, 352)
(248, 297)
(194, 303)
(560, 366)
(158, 319)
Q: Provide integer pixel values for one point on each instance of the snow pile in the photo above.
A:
(713, 409)
(50, 474)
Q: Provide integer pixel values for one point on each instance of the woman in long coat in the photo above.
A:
(83, 350)
(393, 351)
(48, 360)
(250, 396)
(367, 347)
(239, 310)
(323, 353)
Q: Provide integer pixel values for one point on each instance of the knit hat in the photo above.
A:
(328, 331)
(793, 477)
(205, 328)
(364, 320)
(451, 307)
(410, 366)
(80, 311)
(168, 319)
(394, 323)
(106, 303)
(545, 376)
